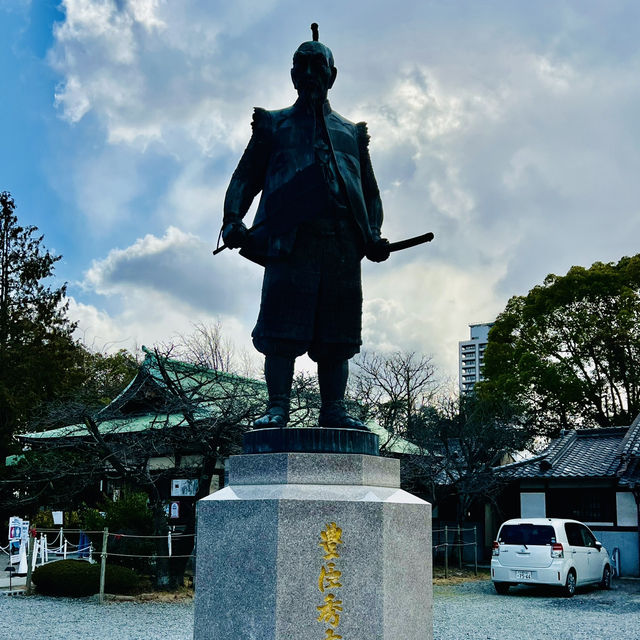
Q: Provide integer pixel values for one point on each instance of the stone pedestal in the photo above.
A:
(309, 546)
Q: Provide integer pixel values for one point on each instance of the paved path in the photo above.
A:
(18, 581)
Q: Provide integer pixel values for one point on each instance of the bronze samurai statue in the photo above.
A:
(319, 214)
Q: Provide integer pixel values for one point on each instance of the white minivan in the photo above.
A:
(550, 551)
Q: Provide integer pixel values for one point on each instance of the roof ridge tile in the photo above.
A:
(630, 445)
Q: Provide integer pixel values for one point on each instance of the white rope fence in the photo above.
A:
(66, 548)
(40, 551)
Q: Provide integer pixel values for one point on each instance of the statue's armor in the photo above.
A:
(320, 206)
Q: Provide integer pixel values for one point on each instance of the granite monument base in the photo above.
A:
(309, 546)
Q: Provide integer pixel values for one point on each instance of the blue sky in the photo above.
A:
(508, 128)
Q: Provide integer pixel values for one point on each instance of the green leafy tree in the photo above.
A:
(36, 345)
(131, 520)
(568, 353)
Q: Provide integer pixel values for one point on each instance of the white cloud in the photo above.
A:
(160, 287)
(511, 133)
(145, 80)
(177, 265)
(146, 12)
(194, 199)
(559, 76)
(147, 319)
(74, 99)
(426, 306)
(106, 186)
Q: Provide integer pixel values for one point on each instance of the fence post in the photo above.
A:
(64, 553)
(103, 563)
(169, 542)
(61, 539)
(30, 550)
(34, 555)
(446, 551)
(475, 549)
(459, 548)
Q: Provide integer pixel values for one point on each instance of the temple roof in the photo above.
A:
(612, 452)
(158, 396)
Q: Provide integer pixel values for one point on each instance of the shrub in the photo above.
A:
(130, 515)
(120, 579)
(77, 578)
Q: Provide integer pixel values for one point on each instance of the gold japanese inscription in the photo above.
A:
(330, 610)
(329, 579)
(331, 538)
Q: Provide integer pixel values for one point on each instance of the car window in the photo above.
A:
(526, 533)
(587, 536)
(574, 534)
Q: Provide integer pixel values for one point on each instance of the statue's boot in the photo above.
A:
(332, 378)
(278, 373)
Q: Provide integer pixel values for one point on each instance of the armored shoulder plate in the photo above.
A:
(261, 119)
(363, 136)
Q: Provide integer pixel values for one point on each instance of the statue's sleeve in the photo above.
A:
(369, 185)
(248, 178)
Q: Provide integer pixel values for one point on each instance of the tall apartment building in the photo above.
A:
(471, 355)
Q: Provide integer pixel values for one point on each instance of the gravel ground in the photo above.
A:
(470, 610)
(473, 610)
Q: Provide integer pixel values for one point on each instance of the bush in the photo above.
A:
(120, 579)
(79, 578)
(130, 515)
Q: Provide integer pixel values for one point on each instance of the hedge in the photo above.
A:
(80, 578)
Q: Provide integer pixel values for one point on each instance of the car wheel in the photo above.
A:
(502, 587)
(605, 583)
(570, 585)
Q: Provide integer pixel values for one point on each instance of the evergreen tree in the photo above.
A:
(568, 353)
(36, 344)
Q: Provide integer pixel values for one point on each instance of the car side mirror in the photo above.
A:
(598, 545)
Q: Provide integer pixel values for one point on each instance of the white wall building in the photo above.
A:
(471, 355)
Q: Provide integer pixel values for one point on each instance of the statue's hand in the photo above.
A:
(234, 234)
(378, 250)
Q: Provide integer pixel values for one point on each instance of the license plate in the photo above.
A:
(523, 575)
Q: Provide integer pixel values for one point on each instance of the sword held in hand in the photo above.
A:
(410, 242)
(393, 246)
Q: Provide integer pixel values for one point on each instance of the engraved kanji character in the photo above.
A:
(329, 577)
(331, 538)
(329, 612)
(331, 634)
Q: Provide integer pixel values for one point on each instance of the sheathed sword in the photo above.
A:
(410, 242)
(393, 246)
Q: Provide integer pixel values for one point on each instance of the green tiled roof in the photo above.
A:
(209, 389)
(132, 424)
(394, 443)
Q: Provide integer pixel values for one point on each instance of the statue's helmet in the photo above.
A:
(314, 46)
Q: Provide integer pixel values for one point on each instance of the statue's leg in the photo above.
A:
(278, 373)
(332, 378)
